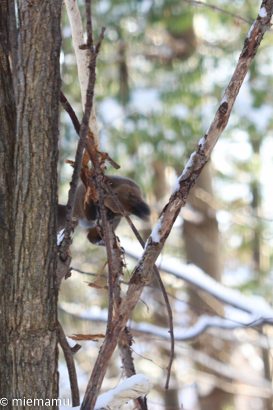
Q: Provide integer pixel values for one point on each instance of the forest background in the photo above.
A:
(161, 74)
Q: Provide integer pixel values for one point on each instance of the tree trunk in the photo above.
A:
(160, 316)
(29, 116)
(202, 249)
(256, 141)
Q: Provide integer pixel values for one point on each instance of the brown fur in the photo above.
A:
(128, 193)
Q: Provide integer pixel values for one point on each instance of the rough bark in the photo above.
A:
(28, 192)
(7, 143)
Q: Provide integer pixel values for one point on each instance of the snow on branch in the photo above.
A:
(244, 311)
(130, 389)
(202, 358)
(180, 334)
(199, 158)
(60, 237)
(255, 305)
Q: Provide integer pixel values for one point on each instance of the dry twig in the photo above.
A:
(68, 354)
(67, 107)
(218, 9)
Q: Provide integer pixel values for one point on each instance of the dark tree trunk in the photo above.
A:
(28, 198)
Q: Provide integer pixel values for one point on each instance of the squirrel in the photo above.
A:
(128, 193)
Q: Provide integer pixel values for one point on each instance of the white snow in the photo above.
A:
(94, 312)
(202, 141)
(177, 185)
(254, 305)
(189, 164)
(225, 99)
(262, 12)
(60, 237)
(251, 28)
(242, 310)
(233, 319)
(155, 235)
(129, 389)
(70, 341)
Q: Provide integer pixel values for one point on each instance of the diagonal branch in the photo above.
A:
(68, 354)
(200, 157)
(218, 9)
(155, 243)
(67, 107)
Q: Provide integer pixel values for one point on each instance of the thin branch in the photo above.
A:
(200, 157)
(79, 156)
(155, 243)
(113, 251)
(89, 23)
(191, 305)
(204, 322)
(63, 270)
(161, 284)
(112, 162)
(68, 108)
(78, 164)
(107, 231)
(98, 45)
(257, 316)
(218, 9)
(112, 248)
(203, 359)
(77, 125)
(198, 278)
(68, 355)
(101, 275)
(170, 316)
